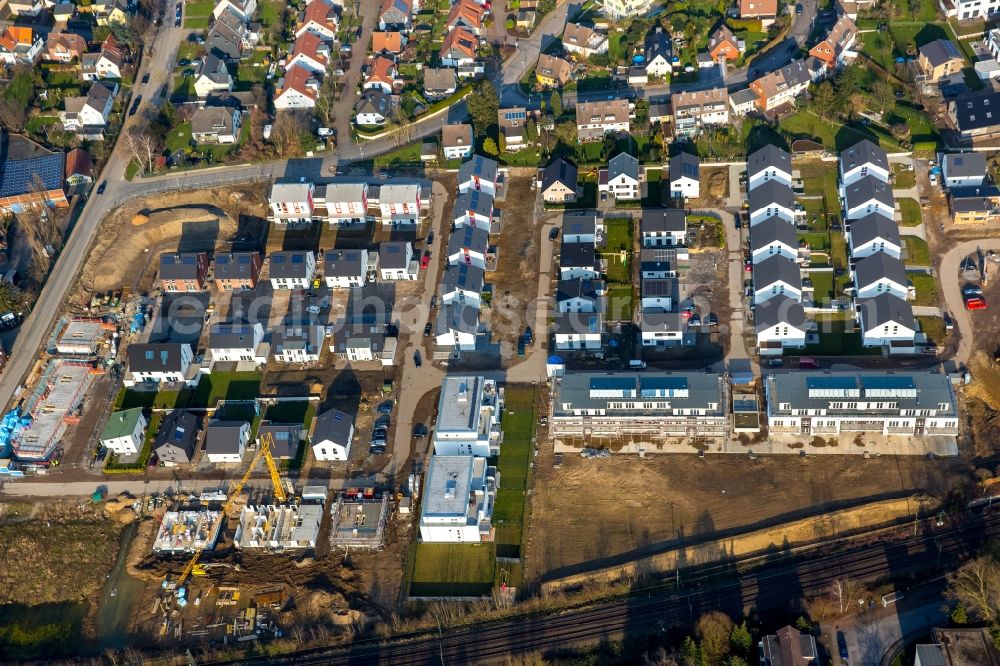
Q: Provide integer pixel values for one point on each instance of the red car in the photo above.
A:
(975, 303)
(426, 260)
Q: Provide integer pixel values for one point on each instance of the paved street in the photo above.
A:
(949, 271)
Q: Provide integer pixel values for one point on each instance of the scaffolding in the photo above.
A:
(52, 408)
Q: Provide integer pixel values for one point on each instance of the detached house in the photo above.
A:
(780, 323)
(312, 53)
(976, 116)
(183, 272)
(395, 15)
(559, 182)
(457, 326)
(216, 124)
(887, 321)
(963, 169)
(226, 441)
(331, 436)
(512, 121)
(229, 37)
(663, 227)
(88, 116)
(63, 47)
(466, 14)
(100, 66)
(578, 260)
(723, 45)
(235, 343)
(125, 431)
(237, 270)
(685, 178)
(765, 10)
(879, 273)
(552, 71)
(20, 46)
(158, 362)
(578, 331)
(291, 202)
(659, 53)
(839, 46)
(364, 342)
(298, 89)
(595, 119)
(781, 86)
(440, 82)
(292, 270)
(776, 276)
(387, 43)
(298, 343)
(480, 174)
(177, 439)
(212, 77)
(374, 108)
(582, 228)
(621, 178)
(583, 41)
(343, 269)
(399, 204)
(579, 295)
(381, 75)
(396, 262)
(456, 140)
(319, 18)
(459, 51)
(242, 8)
(939, 60)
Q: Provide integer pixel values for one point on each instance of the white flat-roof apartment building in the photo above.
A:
(458, 497)
(468, 421)
(651, 404)
(888, 403)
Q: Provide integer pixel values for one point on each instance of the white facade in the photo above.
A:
(874, 245)
(771, 209)
(468, 421)
(399, 204)
(685, 187)
(327, 450)
(301, 280)
(126, 443)
(290, 98)
(852, 174)
(233, 352)
(768, 174)
(231, 457)
(458, 498)
(886, 334)
(776, 248)
(292, 202)
(973, 9)
(622, 187)
(157, 376)
(571, 341)
(858, 210)
(780, 336)
(880, 286)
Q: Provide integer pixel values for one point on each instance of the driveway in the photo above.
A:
(343, 112)
(952, 286)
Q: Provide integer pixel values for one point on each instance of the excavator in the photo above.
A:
(263, 451)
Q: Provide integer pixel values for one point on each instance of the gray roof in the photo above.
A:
(657, 258)
(584, 288)
(939, 52)
(392, 254)
(964, 164)
(559, 170)
(580, 224)
(579, 323)
(343, 263)
(214, 69)
(289, 264)
(333, 425)
(771, 192)
(476, 201)
(460, 403)
(883, 309)
(226, 35)
(357, 334)
(465, 277)
(457, 316)
(659, 287)
(872, 227)
(179, 266)
(375, 100)
(696, 390)
(231, 336)
(447, 486)
(212, 120)
(658, 44)
(773, 230)
(684, 165)
(770, 156)
(474, 239)
(98, 96)
(286, 437)
(440, 79)
(819, 390)
(669, 322)
(155, 356)
(235, 265)
(977, 111)
(864, 152)
(623, 164)
(577, 255)
(743, 96)
(774, 269)
(223, 437)
(308, 337)
(481, 167)
(22, 160)
(877, 266)
(661, 220)
(177, 437)
(862, 191)
(779, 310)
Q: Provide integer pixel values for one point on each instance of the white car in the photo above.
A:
(933, 179)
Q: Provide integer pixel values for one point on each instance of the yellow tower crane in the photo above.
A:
(263, 451)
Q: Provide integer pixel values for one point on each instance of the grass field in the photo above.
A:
(917, 251)
(933, 328)
(452, 570)
(818, 179)
(833, 135)
(926, 288)
(822, 286)
(909, 211)
(836, 340)
(514, 465)
(905, 178)
(210, 390)
(178, 138)
(618, 237)
(408, 154)
(620, 305)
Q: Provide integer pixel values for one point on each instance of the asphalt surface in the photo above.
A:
(773, 585)
(952, 285)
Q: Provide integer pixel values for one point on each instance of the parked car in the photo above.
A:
(554, 233)
(842, 646)
(520, 347)
(420, 430)
(417, 360)
(100, 188)
(427, 329)
(385, 407)
(695, 320)
(184, 62)
(425, 261)
(135, 105)
(712, 319)
(975, 303)
(933, 179)
(528, 337)
(776, 362)
(972, 290)
(145, 77)
(434, 301)
(430, 237)
(798, 9)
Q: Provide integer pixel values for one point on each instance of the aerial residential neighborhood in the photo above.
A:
(412, 331)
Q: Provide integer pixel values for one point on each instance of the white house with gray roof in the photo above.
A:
(903, 404)
(582, 227)
(861, 160)
(399, 204)
(776, 276)
(332, 433)
(659, 294)
(780, 323)
(685, 178)
(237, 343)
(773, 237)
(345, 203)
(459, 494)
(767, 164)
(298, 343)
(457, 326)
(578, 331)
(468, 245)
(661, 329)
(479, 174)
(652, 405)
(157, 362)
(473, 208)
(291, 202)
(579, 295)
(226, 441)
(663, 227)
(468, 420)
(463, 283)
(873, 233)
(292, 270)
(879, 273)
(769, 199)
(963, 169)
(621, 178)
(887, 321)
(396, 262)
(358, 341)
(578, 260)
(865, 196)
(343, 269)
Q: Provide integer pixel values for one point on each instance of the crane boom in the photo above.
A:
(263, 451)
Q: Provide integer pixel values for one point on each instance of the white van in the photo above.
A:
(636, 365)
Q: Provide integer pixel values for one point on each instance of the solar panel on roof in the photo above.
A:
(612, 383)
(297, 258)
(888, 381)
(244, 259)
(278, 259)
(188, 260)
(831, 382)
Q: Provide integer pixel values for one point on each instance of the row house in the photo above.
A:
(773, 237)
(769, 199)
(396, 261)
(345, 203)
(468, 244)
(879, 273)
(769, 163)
(183, 272)
(580, 295)
(872, 234)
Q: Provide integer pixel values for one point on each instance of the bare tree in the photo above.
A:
(37, 225)
(845, 591)
(286, 133)
(141, 146)
(977, 586)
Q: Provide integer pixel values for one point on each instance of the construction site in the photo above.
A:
(187, 532)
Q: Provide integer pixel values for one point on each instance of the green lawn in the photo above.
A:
(905, 178)
(60, 78)
(225, 385)
(654, 188)
(247, 76)
(925, 287)
(178, 138)
(836, 340)
(269, 12)
(620, 305)
(822, 286)
(514, 465)
(404, 155)
(199, 8)
(452, 569)
(933, 328)
(187, 51)
(909, 211)
(818, 242)
(299, 411)
(833, 135)
(183, 88)
(819, 179)
(618, 237)
(196, 23)
(917, 251)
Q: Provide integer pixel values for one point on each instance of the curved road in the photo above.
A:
(950, 283)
